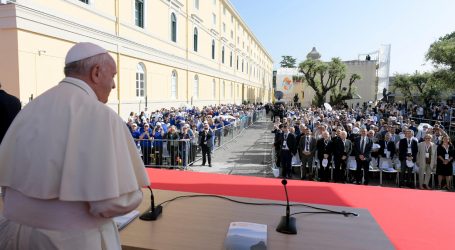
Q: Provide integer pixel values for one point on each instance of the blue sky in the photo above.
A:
(346, 28)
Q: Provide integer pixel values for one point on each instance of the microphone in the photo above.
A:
(154, 212)
(287, 223)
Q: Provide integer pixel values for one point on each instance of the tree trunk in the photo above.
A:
(319, 99)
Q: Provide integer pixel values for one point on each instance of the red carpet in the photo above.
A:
(412, 219)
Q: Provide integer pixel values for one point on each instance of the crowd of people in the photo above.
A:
(180, 133)
(430, 112)
(364, 138)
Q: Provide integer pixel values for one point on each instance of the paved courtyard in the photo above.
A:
(248, 154)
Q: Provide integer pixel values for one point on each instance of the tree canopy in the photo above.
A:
(323, 77)
(288, 62)
(422, 87)
(442, 54)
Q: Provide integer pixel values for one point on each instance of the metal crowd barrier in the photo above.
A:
(182, 153)
(449, 127)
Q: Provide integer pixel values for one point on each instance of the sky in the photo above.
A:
(347, 28)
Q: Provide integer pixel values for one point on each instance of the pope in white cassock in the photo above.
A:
(68, 163)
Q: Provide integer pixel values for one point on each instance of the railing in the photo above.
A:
(449, 127)
(182, 153)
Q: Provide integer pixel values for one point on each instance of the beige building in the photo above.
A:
(168, 52)
(366, 87)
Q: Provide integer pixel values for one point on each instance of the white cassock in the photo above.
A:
(68, 164)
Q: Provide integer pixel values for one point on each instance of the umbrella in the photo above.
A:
(226, 117)
(420, 127)
(328, 107)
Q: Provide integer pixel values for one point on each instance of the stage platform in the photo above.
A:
(202, 223)
(411, 219)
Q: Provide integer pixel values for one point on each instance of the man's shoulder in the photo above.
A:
(8, 97)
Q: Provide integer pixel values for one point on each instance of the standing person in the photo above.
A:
(388, 148)
(307, 149)
(9, 107)
(158, 135)
(342, 151)
(145, 140)
(278, 131)
(407, 154)
(445, 154)
(325, 151)
(426, 159)
(61, 184)
(186, 136)
(218, 128)
(362, 148)
(288, 148)
(206, 143)
(172, 145)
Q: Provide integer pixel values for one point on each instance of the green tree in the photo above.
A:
(442, 54)
(322, 77)
(288, 62)
(341, 94)
(422, 86)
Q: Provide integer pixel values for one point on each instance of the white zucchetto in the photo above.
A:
(82, 51)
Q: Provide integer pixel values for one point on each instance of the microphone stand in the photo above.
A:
(287, 223)
(154, 212)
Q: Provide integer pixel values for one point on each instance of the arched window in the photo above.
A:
(140, 80)
(213, 49)
(222, 90)
(173, 27)
(195, 39)
(174, 85)
(196, 87)
(237, 62)
(214, 89)
(230, 60)
(242, 65)
(222, 55)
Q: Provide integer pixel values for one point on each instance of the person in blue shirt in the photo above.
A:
(135, 131)
(218, 128)
(164, 125)
(158, 136)
(172, 119)
(146, 139)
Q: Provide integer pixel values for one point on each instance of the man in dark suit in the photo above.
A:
(325, 152)
(278, 131)
(206, 143)
(9, 107)
(341, 151)
(307, 148)
(362, 149)
(288, 148)
(407, 151)
(387, 145)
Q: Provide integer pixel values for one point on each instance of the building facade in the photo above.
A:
(169, 53)
(365, 87)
